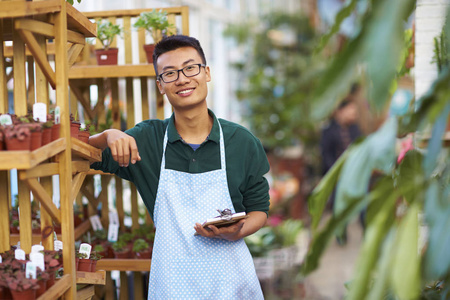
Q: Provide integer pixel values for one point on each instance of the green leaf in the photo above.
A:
(373, 238)
(410, 177)
(406, 260)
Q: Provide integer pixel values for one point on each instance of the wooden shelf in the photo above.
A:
(58, 289)
(115, 71)
(85, 151)
(27, 159)
(97, 277)
(86, 293)
(112, 264)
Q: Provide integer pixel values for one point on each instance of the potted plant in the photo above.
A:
(121, 249)
(52, 264)
(42, 278)
(2, 138)
(94, 257)
(106, 32)
(74, 126)
(17, 137)
(47, 132)
(83, 135)
(101, 250)
(157, 24)
(83, 262)
(14, 227)
(142, 249)
(22, 287)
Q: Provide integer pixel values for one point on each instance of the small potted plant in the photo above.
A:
(142, 249)
(83, 135)
(2, 138)
(157, 24)
(47, 132)
(106, 32)
(74, 126)
(22, 287)
(94, 257)
(17, 137)
(42, 278)
(121, 249)
(84, 263)
(14, 227)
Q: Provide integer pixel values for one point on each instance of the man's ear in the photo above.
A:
(161, 89)
(208, 74)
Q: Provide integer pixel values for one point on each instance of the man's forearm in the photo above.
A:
(254, 222)
(99, 140)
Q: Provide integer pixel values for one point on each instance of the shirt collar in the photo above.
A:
(173, 135)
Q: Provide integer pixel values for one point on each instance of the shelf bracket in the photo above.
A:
(77, 181)
(41, 194)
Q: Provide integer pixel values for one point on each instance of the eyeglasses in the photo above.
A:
(188, 71)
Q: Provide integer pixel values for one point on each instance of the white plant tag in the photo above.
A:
(113, 232)
(1, 259)
(58, 245)
(57, 115)
(30, 271)
(40, 112)
(36, 248)
(38, 260)
(86, 249)
(19, 254)
(113, 217)
(5, 120)
(95, 222)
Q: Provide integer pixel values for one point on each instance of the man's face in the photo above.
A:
(185, 92)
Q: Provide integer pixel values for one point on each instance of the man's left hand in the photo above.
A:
(230, 233)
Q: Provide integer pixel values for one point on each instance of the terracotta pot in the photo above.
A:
(42, 287)
(126, 254)
(83, 136)
(36, 140)
(24, 295)
(2, 145)
(55, 131)
(51, 280)
(14, 144)
(14, 229)
(149, 49)
(84, 265)
(46, 136)
(107, 57)
(93, 265)
(144, 254)
(74, 129)
(6, 294)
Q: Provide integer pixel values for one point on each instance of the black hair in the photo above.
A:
(174, 42)
(344, 103)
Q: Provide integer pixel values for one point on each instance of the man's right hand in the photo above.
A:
(123, 146)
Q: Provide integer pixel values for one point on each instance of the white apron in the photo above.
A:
(185, 266)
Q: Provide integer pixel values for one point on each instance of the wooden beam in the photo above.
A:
(58, 289)
(77, 181)
(97, 277)
(3, 81)
(42, 95)
(39, 55)
(24, 217)
(79, 166)
(42, 170)
(74, 52)
(113, 264)
(20, 90)
(82, 229)
(47, 151)
(86, 293)
(4, 212)
(115, 71)
(46, 218)
(132, 12)
(14, 9)
(44, 198)
(84, 102)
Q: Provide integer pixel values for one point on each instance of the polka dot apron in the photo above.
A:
(185, 266)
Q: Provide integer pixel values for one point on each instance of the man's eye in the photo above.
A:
(190, 68)
(169, 74)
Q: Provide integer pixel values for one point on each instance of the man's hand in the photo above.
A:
(243, 228)
(123, 146)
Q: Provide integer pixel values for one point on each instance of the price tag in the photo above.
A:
(58, 245)
(37, 248)
(95, 222)
(19, 254)
(40, 112)
(113, 217)
(57, 115)
(38, 260)
(1, 259)
(5, 120)
(113, 232)
(86, 249)
(30, 270)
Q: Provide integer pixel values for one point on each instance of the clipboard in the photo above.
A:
(224, 220)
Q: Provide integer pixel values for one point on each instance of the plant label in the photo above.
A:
(95, 222)
(264, 267)
(113, 232)
(37, 248)
(19, 254)
(58, 245)
(86, 249)
(40, 112)
(5, 120)
(30, 270)
(57, 115)
(1, 259)
(38, 260)
(113, 217)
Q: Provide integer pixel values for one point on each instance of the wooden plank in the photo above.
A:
(15, 160)
(145, 99)
(110, 290)
(42, 170)
(119, 202)
(30, 76)
(113, 264)
(132, 12)
(134, 207)
(126, 32)
(86, 151)
(185, 20)
(3, 89)
(24, 216)
(95, 172)
(97, 277)
(58, 289)
(14, 9)
(46, 218)
(100, 107)
(129, 102)
(82, 229)
(86, 293)
(141, 43)
(82, 99)
(77, 21)
(103, 197)
(80, 166)
(138, 286)
(76, 184)
(127, 40)
(39, 55)
(115, 106)
(20, 90)
(4, 212)
(45, 199)
(42, 95)
(47, 151)
(74, 52)
(119, 71)
(123, 292)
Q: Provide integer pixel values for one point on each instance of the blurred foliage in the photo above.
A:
(396, 260)
(277, 76)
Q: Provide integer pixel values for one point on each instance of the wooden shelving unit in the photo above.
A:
(30, 25)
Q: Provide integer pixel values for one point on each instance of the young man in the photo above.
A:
(185, 168)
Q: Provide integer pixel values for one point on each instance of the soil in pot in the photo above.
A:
(107, 57)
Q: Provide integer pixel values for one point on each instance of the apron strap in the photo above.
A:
(222, 149)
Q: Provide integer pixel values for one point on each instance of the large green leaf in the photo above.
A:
(373, 239)
(406, 260)
(376, 152)
(410, 178)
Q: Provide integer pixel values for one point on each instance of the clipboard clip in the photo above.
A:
(225, 214)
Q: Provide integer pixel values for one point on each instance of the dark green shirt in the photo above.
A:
(246, 161)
